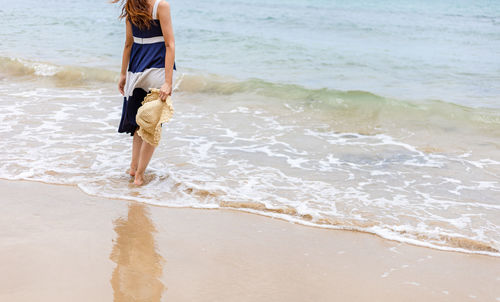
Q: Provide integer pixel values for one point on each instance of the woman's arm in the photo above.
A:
(129, 40)
(168, 35)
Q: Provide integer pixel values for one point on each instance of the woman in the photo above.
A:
(147, 62)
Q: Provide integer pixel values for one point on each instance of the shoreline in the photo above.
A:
(59, 243)
(282, 217)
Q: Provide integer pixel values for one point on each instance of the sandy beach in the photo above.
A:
(59, 244)
(318, 151)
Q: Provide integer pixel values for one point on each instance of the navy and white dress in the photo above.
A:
(146, 69)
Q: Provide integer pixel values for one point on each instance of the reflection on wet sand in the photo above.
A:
(138, 265)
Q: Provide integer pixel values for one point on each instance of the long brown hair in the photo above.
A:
(136, 11)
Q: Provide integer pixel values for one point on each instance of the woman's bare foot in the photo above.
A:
(139, 179)
(131, 172)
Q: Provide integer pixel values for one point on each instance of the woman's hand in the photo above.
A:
(165, 91)
(121, 83)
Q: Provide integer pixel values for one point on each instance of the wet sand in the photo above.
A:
(59, 244)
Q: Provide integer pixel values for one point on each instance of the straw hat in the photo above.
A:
(151, 115)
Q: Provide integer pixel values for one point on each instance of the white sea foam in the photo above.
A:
(223, 153)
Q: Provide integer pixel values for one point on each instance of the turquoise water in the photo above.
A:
(375, 116)
(414, 50)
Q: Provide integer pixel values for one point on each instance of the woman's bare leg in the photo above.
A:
(136, 150)
(144, 158)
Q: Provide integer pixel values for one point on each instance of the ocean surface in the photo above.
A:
(376, 116)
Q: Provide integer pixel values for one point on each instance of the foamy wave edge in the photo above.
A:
(62, 74)
(361, 103)
(275, 213)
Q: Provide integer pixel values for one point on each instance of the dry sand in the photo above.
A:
(59, 244)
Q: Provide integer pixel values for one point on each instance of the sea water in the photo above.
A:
(376, 116)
